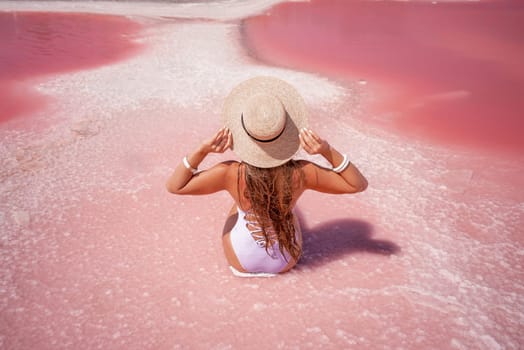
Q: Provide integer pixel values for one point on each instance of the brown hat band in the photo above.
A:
(257, 139)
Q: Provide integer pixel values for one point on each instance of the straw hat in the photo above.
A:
(265, 115)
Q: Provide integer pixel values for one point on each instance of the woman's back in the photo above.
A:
(266, 197)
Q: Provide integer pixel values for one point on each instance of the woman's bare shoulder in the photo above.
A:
(231, 165)
(230, 168)
(307, 166)
(319, 178)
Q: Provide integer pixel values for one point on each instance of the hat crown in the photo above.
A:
(264, 117)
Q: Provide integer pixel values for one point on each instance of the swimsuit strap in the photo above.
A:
(239, 173)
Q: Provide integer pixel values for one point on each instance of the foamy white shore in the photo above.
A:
(218, 10)
(96, 254)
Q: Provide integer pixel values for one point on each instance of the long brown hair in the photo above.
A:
(270, 193)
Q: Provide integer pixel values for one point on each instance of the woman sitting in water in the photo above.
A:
(265, 123)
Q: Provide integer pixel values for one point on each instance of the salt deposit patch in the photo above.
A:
(218, 10)
(178, 70)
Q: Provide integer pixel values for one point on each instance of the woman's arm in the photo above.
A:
(183, 181)
(350, 180)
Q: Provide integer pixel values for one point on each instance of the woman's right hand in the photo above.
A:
(218, 143)
(312, 143)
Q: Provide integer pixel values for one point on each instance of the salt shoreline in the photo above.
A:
(209, 10)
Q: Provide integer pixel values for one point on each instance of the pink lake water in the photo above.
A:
(39, 44)
(451, 72)
(98, 110)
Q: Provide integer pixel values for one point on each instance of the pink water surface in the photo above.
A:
(450, 72)
(36, 44)
(96, 254)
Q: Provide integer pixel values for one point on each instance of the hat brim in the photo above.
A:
(265, 154)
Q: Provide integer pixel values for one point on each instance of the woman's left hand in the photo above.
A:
(220, 142)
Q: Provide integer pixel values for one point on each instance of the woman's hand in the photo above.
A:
(219, 142)
(312, 143)
(348, 180)
(178, 182)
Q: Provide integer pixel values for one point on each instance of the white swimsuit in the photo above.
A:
(249, 246)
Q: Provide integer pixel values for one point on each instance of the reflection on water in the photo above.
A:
(453, 72)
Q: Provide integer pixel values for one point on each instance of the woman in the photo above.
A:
(265, 124)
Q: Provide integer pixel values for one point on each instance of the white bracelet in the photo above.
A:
(345, 163)
(188, 166)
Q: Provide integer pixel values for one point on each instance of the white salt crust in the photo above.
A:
(96, 254)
